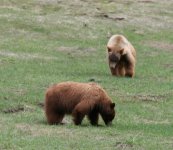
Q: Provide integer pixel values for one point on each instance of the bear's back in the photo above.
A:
(67, 95)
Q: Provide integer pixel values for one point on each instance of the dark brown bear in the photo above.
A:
(78, 99)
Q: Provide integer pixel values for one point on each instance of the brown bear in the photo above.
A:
(121, 56)
(78, 99)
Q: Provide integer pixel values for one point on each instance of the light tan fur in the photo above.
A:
(121, 56)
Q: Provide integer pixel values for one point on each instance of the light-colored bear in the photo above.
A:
(121, 56)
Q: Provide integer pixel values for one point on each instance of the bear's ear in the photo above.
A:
(112, 105)
(122, 51)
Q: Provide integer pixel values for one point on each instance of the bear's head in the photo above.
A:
(108, 113)
(114, 55)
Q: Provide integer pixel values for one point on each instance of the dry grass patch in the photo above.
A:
(168, 65)
(26, 56)
(161, 45)
(145, 97)
(76, 51)
(52, 131)
(146, 15)
(151, 121)
(149, 97)
(123, 146)
(34, 130)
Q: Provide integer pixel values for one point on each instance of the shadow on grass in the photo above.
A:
(89, 125)
(44, 122)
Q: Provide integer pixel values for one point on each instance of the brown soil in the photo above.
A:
(14, 110)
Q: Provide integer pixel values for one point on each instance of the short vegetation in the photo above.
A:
(43, 42)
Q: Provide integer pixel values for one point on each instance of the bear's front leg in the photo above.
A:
(114, 71)
(77, 117)
(93, 116)
(55, 118)
(129, 66)
(130, 71)
(80, 111)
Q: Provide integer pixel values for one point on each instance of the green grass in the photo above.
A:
(44, 42)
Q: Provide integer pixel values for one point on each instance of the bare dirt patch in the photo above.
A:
(146, 1)
(40, 104)
(122, 145)
(110, 16)
(14, 109)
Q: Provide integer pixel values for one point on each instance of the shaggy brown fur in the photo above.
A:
(121, 56)
(78, 99)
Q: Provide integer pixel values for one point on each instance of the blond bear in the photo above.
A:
(121, 56)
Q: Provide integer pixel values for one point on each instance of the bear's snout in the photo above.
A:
(114, 58)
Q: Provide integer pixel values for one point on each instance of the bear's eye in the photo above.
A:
(109, 50)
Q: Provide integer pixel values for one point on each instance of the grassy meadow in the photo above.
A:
(43, 42)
